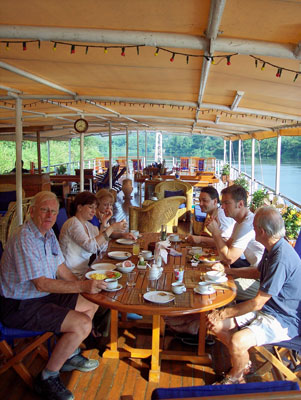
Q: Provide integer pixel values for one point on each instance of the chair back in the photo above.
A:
(298, 244)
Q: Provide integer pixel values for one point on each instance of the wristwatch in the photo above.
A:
(106, 236)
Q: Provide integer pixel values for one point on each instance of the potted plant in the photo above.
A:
(292, 222)
(242, 181)
(61, 169)
(225, 172)
(258, 199)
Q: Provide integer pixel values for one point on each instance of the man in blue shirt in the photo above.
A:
(38, 292)
(274, 314)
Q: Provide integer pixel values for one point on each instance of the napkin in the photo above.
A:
(174, 252)
(161, 250)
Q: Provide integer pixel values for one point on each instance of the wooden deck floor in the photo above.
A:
(117, 379)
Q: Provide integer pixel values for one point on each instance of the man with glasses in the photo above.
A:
(38, 292)
(241, 251)
(273, 315)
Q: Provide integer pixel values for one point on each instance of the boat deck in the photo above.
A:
(128, 378)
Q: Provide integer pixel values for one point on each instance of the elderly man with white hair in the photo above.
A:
(38, 292)
(274, 314)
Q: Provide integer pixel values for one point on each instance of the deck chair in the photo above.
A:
(14, 356)
(115, 184)
(283, 357)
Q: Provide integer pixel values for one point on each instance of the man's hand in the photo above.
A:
(213, 318)
(193, 239)
(218, 267)
(93, 286)
(212, 226)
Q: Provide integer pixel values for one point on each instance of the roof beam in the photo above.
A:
(236, 101)
(153, 39)
(35, 78)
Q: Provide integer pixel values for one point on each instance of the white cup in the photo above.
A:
(135, 233)
(174, 237)
(178, 287)
(111, 283)
(146, 254)
(204, 287)
(214, 275)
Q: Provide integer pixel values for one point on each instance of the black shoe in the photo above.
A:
(52, 388)
(210, 341)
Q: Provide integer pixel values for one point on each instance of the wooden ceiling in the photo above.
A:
(148, 91)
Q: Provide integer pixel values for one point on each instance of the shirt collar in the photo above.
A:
(49, 236)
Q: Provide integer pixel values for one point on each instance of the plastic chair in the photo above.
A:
(14, 357)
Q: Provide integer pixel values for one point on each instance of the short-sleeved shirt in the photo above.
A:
(78, 244)
(280, 276)
(243, 237)
(28, 255)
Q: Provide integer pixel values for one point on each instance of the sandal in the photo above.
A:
(228, 380)
(249, 369)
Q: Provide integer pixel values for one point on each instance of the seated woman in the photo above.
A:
(79, 239)
(105, 212)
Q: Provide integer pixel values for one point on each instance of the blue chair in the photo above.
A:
(224, 390)
(14, 356)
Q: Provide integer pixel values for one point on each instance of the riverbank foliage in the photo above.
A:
(173, 146)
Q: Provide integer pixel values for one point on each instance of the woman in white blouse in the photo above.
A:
(79, 239)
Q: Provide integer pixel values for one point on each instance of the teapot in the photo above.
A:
(155, 272)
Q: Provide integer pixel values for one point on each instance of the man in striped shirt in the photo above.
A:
(38, 292)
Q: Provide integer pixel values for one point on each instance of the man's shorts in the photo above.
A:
(41, 314)
(266, 328)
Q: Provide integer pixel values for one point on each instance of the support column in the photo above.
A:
(230, 158)
(145, 140)
(239, 156)
(138, 164)
(39, 152)
(48, 155)
(278, 164)
(110, 155)
(70, 159)
(253, 166)
(81, 179)
(127, 151)
(19, 138)
(225, 151)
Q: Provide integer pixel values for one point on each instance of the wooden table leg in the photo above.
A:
(202, 334)
(154, 373)
(113, 352)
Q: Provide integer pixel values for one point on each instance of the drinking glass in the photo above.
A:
(136, 249)
(131, 279)
(151, 285)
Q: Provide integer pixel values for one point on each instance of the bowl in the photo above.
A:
(124, 269)
(214, 275)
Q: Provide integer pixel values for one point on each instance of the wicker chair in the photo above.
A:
(151, 217)
(8, 223)
(176, 185)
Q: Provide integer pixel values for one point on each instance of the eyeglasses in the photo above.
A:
(48, 210)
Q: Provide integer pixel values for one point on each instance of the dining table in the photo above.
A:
(138, 300)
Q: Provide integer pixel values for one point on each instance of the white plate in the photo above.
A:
(119, 286)
(208, 261)
(88, 274)
(207, 292)
(196, 250)
(156, 297)
(222, 279)
(119, 255)
(125, 241)
(103, 266)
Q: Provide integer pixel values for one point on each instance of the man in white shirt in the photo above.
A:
(209, 203)
(241, 249)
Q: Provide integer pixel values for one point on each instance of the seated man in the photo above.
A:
(241, 249)
(274, 314)
(38, 292)
(24, 170)
(209, 203)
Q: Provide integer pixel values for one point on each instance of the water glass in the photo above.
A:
(131, 279)
(136, 249)
(179, 274)
(151, 285)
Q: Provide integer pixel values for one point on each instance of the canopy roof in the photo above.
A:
(148, 92)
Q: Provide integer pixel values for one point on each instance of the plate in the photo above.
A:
(208, 261)
(125, 241)
(207, 292)
(119, 255)
(175, 240)
(117, 275)
(222, 279)
(103, 266)
(159, 296)
(119, 286)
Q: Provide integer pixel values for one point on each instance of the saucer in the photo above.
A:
(206, 292)
(119, 286)
(175, 240)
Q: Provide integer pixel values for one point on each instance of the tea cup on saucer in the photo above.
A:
(178, 287)
(204, 287)
(111, 283)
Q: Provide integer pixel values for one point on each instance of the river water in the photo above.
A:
(290, 176)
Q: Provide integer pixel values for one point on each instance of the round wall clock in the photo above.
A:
(81, 125)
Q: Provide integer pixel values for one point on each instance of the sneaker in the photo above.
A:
(52, 388)
(80, 363)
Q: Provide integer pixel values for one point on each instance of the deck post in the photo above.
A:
(19, 137)
(278, 164)
(81, 179)
(138, 163)
(230, 157)
(225, 151)
(110, 155)
(48, 155)
(145, 142)
(239, 156)
(69, 164)
(253, 166)
(127, 151)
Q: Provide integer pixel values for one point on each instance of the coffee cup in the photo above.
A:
(174, 237)
(204, 287)
(178, 287)
(146, 254)
(135, 233)
(214, 275)
(111, 283)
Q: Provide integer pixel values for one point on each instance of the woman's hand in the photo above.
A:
(120, 226)
(105, 217)
(128, 235)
